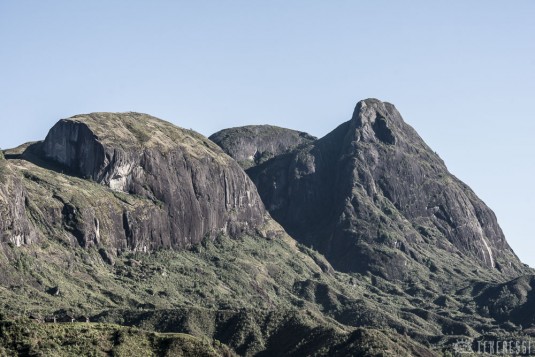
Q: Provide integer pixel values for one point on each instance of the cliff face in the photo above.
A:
(15, 227)
(167, 187)
(372, 196)
(254, 144)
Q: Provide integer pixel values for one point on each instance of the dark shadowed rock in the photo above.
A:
(513, 301)
(254, 144)
(372, 196)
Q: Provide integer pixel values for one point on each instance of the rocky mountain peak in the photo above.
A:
(252, 145)
(372, 196)
(96, 145)
(171, 187)
(375, 120)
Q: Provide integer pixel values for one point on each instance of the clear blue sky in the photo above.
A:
(461, 72)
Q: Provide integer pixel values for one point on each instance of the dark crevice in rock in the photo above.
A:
(383, 132)
(127, 226)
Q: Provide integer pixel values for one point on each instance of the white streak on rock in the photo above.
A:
(489, 251)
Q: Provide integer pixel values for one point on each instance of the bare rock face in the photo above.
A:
(188, 187)
(254, 144)
(372, 196)
(15, 227)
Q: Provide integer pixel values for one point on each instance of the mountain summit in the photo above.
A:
(252, 145)
(184, 187)
(372, 196)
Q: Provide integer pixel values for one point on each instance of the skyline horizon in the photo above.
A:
(461, 74)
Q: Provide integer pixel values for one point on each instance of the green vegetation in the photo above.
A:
(132, 129)
(28, 338)
(245, 292)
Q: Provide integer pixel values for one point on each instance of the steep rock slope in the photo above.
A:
(15, 227)
(254, 144)
(185, 187)
(372, 196)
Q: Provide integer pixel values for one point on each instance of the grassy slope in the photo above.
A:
(27, 338)
(143, 130)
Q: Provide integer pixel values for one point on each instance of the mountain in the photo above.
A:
(254, 144)
(190, 190)
(372, 196)
(121, 218)
(160, 240)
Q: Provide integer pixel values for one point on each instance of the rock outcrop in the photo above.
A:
(372, 196)
(166, 187)
(254, 144)
(15, 227)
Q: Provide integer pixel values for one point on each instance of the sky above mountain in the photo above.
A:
(461, 73)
